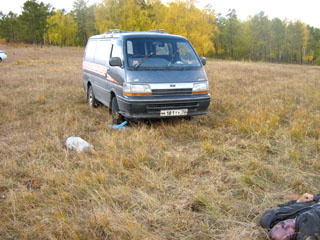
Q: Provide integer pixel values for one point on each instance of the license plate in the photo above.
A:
(178, 112)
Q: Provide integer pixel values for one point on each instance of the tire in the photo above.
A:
(0, 60)
(92, 101)
(116, 116)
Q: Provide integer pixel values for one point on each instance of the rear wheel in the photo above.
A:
(117, 118)
(92, 101)
(0, 60)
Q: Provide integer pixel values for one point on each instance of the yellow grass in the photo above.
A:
(208, 178)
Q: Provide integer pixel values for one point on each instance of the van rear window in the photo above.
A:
(90, 50)
(103, 52)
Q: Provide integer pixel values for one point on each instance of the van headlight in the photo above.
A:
(136, 89)
(200, 88)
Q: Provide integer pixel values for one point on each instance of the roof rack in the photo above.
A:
(114, 30)
(157, 30)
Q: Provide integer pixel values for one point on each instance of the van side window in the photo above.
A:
(90, 50)
(117, 49)
(103, 52)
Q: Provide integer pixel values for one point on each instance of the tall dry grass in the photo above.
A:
(208, 178)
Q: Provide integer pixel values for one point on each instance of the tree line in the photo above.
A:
(257, 39)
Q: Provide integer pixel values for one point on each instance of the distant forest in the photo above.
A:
(226, 37)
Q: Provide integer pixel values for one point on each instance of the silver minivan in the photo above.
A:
(145, 75)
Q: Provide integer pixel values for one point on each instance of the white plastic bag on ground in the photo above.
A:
(78, 144)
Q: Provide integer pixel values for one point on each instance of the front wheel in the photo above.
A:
(0, 60)
(117, 118)
(92, 101)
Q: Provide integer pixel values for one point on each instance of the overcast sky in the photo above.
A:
(307, 11)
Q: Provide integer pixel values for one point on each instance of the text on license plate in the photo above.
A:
(178, 112)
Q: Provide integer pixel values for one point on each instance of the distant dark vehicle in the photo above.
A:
(2, 55)
(145, 75)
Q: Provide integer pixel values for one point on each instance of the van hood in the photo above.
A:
(166, 76)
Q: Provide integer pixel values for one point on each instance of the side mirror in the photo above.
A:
(203, 60)
(115, 62)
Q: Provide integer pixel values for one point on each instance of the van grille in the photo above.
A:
(155, 108)
(172, 92)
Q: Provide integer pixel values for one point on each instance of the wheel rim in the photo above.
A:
(90, 98)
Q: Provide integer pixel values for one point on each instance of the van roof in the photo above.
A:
(130, 34)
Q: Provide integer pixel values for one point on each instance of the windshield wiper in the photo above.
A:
(145, 58)
(173, 56)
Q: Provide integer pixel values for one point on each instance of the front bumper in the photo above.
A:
(150, 107)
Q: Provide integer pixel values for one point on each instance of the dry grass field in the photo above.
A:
(208, 178)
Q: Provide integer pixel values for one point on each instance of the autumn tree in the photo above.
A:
(184, 18)
(62, 29)
(298, 36)
(156, 12)
(137, 15)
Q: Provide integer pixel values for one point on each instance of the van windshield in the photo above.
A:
(163, 53)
